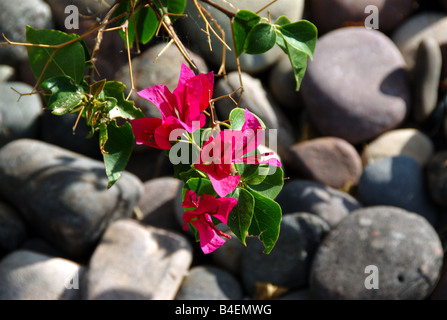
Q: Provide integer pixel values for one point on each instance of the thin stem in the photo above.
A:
(257, 12)
(228, 13)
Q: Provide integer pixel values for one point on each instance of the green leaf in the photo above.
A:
(260, 39)
(176, 6)
(200, 186)
(258, 175)
(118, 148)
(301, 35)
(65, 94)
(97, 87)
(266, 221)
(298, 41)
(124, 108)
(282, 20)
(240, 217)
(142, 24)
(243, 22)
(68, 60)
(271, 185)
(298, 60)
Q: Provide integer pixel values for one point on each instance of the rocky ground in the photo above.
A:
(363, 144)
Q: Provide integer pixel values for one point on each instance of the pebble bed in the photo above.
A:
(363, 145)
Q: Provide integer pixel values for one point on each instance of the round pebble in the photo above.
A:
(382, 253)
(308, 196)
(389, 14)
(13, 231)
(134, 262)
(289, 262)
(436, 173)
(410, 142)
(427, 71)
(64, 195)
(158, 201)
(351, 89)
(27, 275)
(14, 17)
(423, 25)
(19, 116)
(209, 283)
(330, 161)
(397, 181)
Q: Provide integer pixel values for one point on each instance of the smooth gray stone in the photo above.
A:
(13, 231)
(397, 181)
(14, 17)
(27, 275)
(63, 195)
(19, 116)
(207, 282)
(352, 90)
(134, 262)
(288, 265)
(313, 197)
(381, 253)
(427, 72)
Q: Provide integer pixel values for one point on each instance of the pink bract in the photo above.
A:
(206, 207)
(232, 146)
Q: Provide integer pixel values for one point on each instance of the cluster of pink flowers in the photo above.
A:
(184, 109)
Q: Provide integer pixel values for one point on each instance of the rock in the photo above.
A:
(88, 9)
(427, 70)
(382, 253)
(256, 99)
(307, 196)
(423, 25)
(229, 255)
(440, 291)
(18, 118)
(300, 294)
(409, 141)
(26, 275)
(436, 175)
(329, 160)
(134, 262)
(157, 202)
(209, 283)
(149, 71)
(399, 182)
(6, 73)
(13, 231)
(390, 13)
(379, 100)
(58, 130)
(191, 27)
(289, 262)
(282, 85)
(14, 17)
(64, 195)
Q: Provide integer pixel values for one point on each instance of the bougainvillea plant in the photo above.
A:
(227, 179)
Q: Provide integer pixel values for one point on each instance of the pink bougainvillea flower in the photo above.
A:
(186, 104)
(181, 109)
(206, 207)
(232, 146)
(153, 132)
